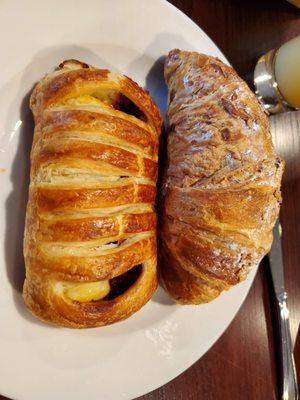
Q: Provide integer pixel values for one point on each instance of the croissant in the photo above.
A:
(90, 234)
(221, 185)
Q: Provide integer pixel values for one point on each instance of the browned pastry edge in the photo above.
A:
(87, 79)
(91, 228)
(58, 310)
(90, 268)
(63, 198)
(92, 122)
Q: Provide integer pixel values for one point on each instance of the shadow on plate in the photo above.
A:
(16, 206)
(162, 297)
(155, 82)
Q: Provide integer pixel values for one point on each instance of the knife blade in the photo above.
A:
(288, 371)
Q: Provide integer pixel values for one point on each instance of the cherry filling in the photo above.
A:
(121, 283)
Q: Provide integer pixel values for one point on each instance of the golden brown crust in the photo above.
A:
(74, 198)
(221, 188)
(59, 150)
(90, 214)
(63, 266)
(91, 228)
(92, 123)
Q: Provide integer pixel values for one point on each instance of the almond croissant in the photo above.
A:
(221, 187)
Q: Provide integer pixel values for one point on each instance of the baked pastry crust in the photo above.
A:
(221, 186)
(90, 214)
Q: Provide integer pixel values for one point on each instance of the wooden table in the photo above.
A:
(242, 364)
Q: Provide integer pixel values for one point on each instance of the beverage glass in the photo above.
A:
(277, 77)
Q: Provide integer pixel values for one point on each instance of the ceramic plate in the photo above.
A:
(135, 356)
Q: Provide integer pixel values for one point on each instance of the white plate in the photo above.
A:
(128, 359)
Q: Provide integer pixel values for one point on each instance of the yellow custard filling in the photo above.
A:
(87, 291)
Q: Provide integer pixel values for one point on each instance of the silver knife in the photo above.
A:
(289, 377)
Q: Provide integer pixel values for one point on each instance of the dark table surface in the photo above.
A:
(242, 364)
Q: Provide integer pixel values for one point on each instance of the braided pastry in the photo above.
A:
(221, 188)
(90, 236)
